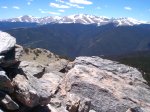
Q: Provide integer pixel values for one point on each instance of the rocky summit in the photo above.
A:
(36, 80)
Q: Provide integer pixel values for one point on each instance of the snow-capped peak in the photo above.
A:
(127, 22)
(80, 18)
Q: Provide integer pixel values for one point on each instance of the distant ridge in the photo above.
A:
(80, 18)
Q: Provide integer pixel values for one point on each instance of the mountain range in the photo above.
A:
(80, 35)
(80, 18)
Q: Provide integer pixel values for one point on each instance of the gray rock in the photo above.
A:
(18, 52)
(7, 102)
(118, 69)
(5, 82)
(77, 104)
(58, 65)
(110, 86)
(92, 111)
(1, 59)
(32, 91)
(7, 42)
(73, 103)
(12, 56)
(31, 68)
(55, 102)
(136, 109)
(54, 109)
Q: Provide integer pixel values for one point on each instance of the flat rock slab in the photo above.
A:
(31, 68)
(110, 86)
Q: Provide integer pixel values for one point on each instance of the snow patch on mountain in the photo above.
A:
(80, 18)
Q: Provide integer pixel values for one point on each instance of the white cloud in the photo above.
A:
(4, 7)
(128, 8)
(85, 2)
(70, 4)
(74, 5)
(61, 10)
(54, 13)
(16, 7)
(49, 12)
(59, 6)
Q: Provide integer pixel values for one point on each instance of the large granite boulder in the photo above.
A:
(7, 42)
(33, 87)
(110, 86)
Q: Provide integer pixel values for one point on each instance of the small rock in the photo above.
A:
(31, 68)
(85, 105)
(7, 102)
(73, 103)
(55, 102)
(5, 82)
(1, 59)
(59, 65)
(92, 111)
(136, 109)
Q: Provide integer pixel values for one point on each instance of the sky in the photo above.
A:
(137, 9)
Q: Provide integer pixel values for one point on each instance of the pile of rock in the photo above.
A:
(88, 84)
(26, 83)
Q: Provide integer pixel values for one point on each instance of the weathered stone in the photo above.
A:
(1, 59)
(73, 103)
(12, 56)
(53, 81)
(55, 102)
(54, 109)
(33, 91)
(59, 65)
(107, 84)
(85, 105)
(31, 68)
(7, 102)
(92, 111)
(77, 104)
(136, 109)
(7, 42)
(5, 82)
(18, 52)
(121, 70)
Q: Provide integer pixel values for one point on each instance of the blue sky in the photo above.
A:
(138, 9)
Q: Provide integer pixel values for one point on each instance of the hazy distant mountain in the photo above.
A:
(81, 18)
(78, 39)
